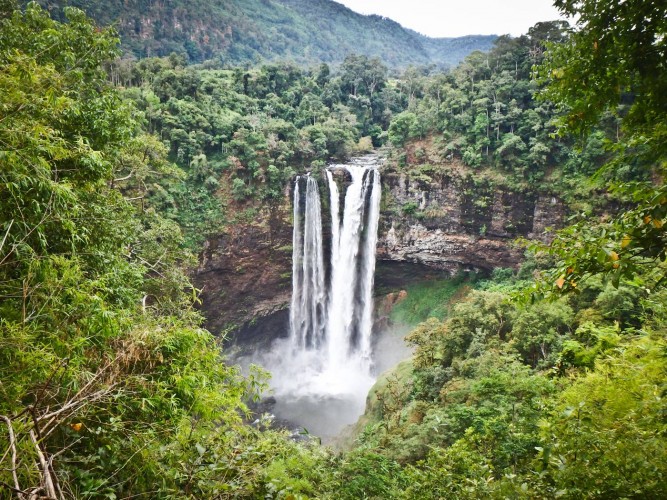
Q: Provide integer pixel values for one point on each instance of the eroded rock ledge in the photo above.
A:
(443, 223)
(452, 224)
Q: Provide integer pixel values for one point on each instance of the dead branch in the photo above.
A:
(47, 480)
(62, 364)
(11, 223)
(121, 179)
(42, 419)
(12, 447)
(76, 403)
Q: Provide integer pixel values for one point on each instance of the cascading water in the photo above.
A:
(368, 267)
(324, 370)
(307, 310)
(352, 266)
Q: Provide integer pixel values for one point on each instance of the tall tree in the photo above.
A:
(615, 61)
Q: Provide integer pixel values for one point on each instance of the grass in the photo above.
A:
(429, 299)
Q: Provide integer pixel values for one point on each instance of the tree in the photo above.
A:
(402, 127)
(616, 54)
(614, 61)
(105, 371)
(364, 75)
(604, 438)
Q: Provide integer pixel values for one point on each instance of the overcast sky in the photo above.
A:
(446, 18)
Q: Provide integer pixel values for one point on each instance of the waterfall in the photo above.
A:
(331, 325)
(352, 266)
(307, 311)
(334, 202)
(368, 266)
(323, 370)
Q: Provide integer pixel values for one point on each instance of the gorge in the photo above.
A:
(311, 327)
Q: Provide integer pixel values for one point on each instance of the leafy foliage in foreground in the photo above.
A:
(109, 387)
(554, 399)
(614, 63)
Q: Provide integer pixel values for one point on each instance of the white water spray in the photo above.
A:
(327, 358)
(307, 311)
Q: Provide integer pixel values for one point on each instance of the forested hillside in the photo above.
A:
(240, 135)
(546, 381)
(236, 32)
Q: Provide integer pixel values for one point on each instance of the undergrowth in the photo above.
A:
(430, 299)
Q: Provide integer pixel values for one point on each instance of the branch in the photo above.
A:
(74, 406)
(11, 223)
(157, 262)
(20, 493)
(12, 447)
(47, 479)
(121, 179)
(62, 364)
(41, 422)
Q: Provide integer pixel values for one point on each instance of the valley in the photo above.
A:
(278, 249)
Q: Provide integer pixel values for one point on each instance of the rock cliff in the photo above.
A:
(245, 273)
(452, 223)
(444, 222)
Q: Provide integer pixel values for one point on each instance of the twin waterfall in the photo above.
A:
(331, 312)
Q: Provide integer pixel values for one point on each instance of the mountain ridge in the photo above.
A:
(237, 32)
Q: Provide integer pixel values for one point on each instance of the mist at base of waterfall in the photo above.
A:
(321, 415)
(324, 403)
(323, 370)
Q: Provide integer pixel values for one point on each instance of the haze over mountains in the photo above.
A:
(249, 31)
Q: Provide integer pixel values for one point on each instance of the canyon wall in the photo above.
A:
(454, 223)
(429, 225)
(246, 273)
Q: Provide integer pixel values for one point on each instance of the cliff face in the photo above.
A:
(452, 223)
(428, 225)
(245, 273)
